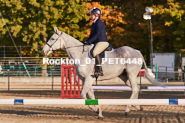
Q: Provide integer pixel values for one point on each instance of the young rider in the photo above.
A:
(98, 37)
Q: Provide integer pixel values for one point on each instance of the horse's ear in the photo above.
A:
(58, 32)
(55, 29)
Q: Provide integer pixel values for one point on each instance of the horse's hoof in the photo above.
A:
(141, 108)
(138, 107)
(97, 112)
(127, 113)
(100, 117)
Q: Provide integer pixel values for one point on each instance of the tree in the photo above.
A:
(31, 22)
(168, 24)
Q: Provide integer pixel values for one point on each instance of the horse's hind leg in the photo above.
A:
(124, 77)
(135, 91)
(138, 107)
(95, 108)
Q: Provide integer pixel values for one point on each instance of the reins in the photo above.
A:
(65, 47)
(76, 46)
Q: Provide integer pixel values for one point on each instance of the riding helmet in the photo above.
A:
(96, 10)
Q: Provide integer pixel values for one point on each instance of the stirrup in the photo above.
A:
(98, 72)
(101, 74)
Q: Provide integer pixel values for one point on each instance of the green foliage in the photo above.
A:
(31, 22)
(168, 25)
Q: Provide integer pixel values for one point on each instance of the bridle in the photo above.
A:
(51, 49)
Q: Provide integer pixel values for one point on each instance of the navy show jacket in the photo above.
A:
(98, 32)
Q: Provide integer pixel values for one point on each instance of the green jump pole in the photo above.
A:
(26, 69)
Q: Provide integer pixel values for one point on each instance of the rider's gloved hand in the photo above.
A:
(85, 43)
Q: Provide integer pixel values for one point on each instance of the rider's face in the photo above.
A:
(93, 17)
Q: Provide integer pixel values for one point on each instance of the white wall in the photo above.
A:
(164, 59)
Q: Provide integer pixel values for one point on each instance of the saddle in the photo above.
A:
(98, 59)
(102, 54)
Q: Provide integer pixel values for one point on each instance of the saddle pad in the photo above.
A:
(105, 52)
(89, 53)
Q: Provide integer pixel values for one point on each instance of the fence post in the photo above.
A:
(8, 79)
(156, 71)
(3, 72)
(184, 81)
(4, 55)
(166, 75)
(51, 73)
(35, 71)
(52, 78)
(21, 52)
(19, 71)
(140, 82)
(4, 51)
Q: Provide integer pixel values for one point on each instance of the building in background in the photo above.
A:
(169, 65)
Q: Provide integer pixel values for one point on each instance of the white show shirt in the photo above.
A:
(95, 20)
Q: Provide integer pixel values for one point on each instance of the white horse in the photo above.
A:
(127, 72)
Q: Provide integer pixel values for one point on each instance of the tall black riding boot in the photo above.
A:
(98, 68)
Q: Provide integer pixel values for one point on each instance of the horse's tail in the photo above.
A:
(150, 78)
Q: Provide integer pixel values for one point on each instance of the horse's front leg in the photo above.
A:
(87, 83)
(95, 108)
(87, 88)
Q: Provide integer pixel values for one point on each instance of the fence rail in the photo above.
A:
(9, 51)
(28, 61)
(33, 71)
(37, 71)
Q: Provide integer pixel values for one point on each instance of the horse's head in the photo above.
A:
(54, 43)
